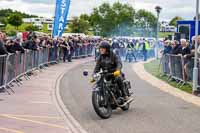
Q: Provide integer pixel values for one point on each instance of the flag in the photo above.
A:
(60, 19)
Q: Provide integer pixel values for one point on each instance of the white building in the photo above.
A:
(165, 27)
(50, 25)
(40, 21)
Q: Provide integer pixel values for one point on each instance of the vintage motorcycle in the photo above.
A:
(106, 94)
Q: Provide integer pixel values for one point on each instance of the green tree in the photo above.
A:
(15, 20)
(79, 25)
(116, 19)
(174, 20)
(31, 28)
(109, 18)
(4, 13)
(145, 18)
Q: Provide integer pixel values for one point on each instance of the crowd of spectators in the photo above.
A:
(182, 48)
(68, 45)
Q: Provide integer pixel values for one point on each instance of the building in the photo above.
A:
(165, 27)
(39, 22)
(50, 25)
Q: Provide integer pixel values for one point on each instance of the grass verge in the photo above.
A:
(154, 69)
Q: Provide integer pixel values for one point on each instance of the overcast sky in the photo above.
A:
(171, 8)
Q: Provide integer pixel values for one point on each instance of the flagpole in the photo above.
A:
(53, 19)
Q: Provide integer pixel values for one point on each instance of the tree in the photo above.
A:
(145, 18)
(4, 13)
(15, 20)
(174, 20)
(31, 28)
(79, 25)
(108, 19)
(114, 20)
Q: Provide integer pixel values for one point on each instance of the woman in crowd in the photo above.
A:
(176, 47)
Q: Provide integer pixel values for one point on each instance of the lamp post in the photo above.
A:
(195, 70)
(158, 10)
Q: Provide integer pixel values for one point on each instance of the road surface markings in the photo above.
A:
(10, 130)
(33, 121)
(31, 116)
(37, 102)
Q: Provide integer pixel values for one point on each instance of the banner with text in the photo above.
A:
(60, 19)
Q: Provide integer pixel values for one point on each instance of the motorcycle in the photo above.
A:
(106, 94)
(130, 55)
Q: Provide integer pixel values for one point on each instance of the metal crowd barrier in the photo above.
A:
(165, 65)
(83, 51)
(14, 66)
(2, 69)
(178, 68)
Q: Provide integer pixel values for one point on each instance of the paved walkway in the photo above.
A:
(32, 109)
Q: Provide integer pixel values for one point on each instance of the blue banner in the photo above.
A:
(60, 20)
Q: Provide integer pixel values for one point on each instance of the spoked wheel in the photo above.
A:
(102, 108)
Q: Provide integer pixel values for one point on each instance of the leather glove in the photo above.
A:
(117, 73)
(92, 80)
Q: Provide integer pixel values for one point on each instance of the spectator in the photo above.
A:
(65, 46)
(32, 44)
(176, 48)
(3, 50)
(17, 46)
(71, 50)
(185, 51)
(10, 46)
(167, 47)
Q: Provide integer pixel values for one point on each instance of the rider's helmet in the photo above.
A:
(106, 45)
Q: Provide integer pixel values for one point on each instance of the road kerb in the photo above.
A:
(73, 124)
(163, 86)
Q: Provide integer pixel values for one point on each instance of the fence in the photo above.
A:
(178, 68)
(14, 66)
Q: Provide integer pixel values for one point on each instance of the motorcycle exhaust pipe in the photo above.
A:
(115, 100)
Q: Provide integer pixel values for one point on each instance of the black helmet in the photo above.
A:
(106, 45)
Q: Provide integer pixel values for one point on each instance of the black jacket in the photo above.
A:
(185, 51)
(18, 47)
(3, 50)
(10, 49)
(31, 45)
(177, 49)
(115, 45)
(110, 62)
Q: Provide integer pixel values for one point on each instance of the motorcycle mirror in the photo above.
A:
(85, 73)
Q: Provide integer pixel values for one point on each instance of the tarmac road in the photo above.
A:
(153, 111)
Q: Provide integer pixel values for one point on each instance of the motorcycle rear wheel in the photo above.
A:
(97, 107)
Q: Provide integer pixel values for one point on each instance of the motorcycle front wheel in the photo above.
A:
(102, 110)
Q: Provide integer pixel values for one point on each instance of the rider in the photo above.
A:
(112, 63)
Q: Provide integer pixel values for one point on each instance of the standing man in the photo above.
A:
(70, 50)
(116, 47)
(130, 52)
(65, 47)
(3, 50)
(142, 44)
